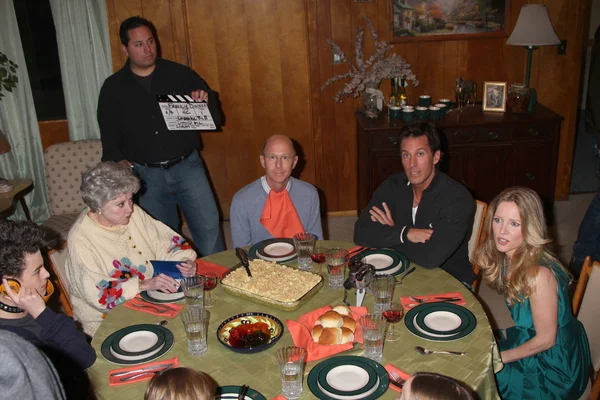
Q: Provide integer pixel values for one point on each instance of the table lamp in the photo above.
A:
(533, 29)
(4, 148)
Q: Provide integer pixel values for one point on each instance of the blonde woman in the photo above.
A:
(546, 355)
(181, 384)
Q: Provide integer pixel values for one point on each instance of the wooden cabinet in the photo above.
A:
(486, 152)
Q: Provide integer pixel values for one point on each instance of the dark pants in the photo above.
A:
(588, 237)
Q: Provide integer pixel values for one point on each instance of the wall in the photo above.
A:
(268, 59)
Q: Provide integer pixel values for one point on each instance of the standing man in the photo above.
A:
(134, 133)
(275, 205)
(421, 212)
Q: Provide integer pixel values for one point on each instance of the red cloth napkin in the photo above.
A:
(279, 215)
(116, 380)
(402, 374)
(302, 328)
(205, 266)
(406, 301)
(279, 397)
(166, 310)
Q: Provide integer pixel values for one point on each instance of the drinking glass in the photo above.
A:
(393, 315)
(373, 327)
(336, 264)
(291, 365)
(305, 244)
(193, 290)
(210, 282)
(382, 288)
(318, 257)
(195, 321)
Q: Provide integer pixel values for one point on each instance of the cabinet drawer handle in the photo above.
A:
(493, 135)
(393, 140)
(533, 132)
(530, 176)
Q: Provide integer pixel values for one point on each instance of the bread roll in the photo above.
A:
(330, 336)
(330, 319)
(349, 323)
(316, 332)
(347, 336)
(342, 310)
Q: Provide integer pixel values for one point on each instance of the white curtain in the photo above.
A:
(19, 122)
(85, 60)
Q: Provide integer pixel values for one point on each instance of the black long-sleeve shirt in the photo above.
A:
(131, 123)
(446, 206)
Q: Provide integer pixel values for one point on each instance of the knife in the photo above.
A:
(432, 299)
(243, 256)
(150, 368)
(398, 385)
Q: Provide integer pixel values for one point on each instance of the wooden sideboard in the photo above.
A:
(485, 151)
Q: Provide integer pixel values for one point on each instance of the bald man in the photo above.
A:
(275, 205)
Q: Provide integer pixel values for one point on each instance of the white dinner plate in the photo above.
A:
(278, 250)
(347, 378)
(379, 261)
(278, 259)
(135, 342)
(354, 397)
(138, 357)
(424, 332)
(158, 295)
(442, 321)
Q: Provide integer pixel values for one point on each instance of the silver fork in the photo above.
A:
(129, 378)
(396, 378)
(426, 299)
(158, 310)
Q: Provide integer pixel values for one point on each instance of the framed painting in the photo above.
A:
(494, 96)
(418, 20)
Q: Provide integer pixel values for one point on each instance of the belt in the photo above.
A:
(169, 163)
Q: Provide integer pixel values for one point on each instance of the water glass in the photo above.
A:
(382, 288)
(195, 321)
(305, 244)
(373, 327)
(193, 289)
(336, 266)
(291, 364)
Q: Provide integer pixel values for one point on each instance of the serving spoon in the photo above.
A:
(424, 352)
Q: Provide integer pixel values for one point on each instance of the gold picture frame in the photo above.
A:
(494, 96)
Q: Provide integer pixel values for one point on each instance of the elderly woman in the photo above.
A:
(111, 244)
(546, 355)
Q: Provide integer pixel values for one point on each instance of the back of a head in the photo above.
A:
(431, 386)
(25, 372)
(181, 384)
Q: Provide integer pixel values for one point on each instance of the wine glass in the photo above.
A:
(210, 282)
(318, 256)
(393, 315)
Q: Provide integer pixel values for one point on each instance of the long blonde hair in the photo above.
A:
(517, 282)
(181, 384)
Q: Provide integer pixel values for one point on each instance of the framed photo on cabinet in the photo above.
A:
(494, 96)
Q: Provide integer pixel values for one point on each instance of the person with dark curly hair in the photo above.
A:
(23, 308)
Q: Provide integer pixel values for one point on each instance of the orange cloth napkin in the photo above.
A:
(302, 328)
(279, 397)
(279, 215)
(166, 310)
(205, 266)
(402, 374)
(116, 380)
(406, 300)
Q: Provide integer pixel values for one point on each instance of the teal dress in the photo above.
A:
(561, 372)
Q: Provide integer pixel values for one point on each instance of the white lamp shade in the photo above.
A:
(533, 28)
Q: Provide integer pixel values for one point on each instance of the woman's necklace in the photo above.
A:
(10, 309)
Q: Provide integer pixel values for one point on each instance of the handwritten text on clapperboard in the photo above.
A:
(183, 113)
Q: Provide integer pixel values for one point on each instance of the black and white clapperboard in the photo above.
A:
(183, 113)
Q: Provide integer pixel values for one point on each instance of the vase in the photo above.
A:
(373, 101)
(518, 98)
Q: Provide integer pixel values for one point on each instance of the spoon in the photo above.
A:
(423, 351)
(162, 323)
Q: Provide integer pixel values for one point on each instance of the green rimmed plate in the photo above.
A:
(382, 375)
(410, 320)
(105, 348)
(449, 319)
(257, 251)
(386, 261)
(233, 392)
(351, 377)
(138, 342)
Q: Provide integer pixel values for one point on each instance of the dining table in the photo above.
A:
(261, 370)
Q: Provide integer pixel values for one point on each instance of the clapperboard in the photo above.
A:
(183, 113)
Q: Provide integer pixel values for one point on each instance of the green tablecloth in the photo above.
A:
(261, 370)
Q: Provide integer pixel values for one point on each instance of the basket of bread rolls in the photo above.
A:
(334, 327)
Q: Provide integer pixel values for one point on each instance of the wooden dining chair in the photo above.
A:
(57, 259)
(477, 237)
(586, 307)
